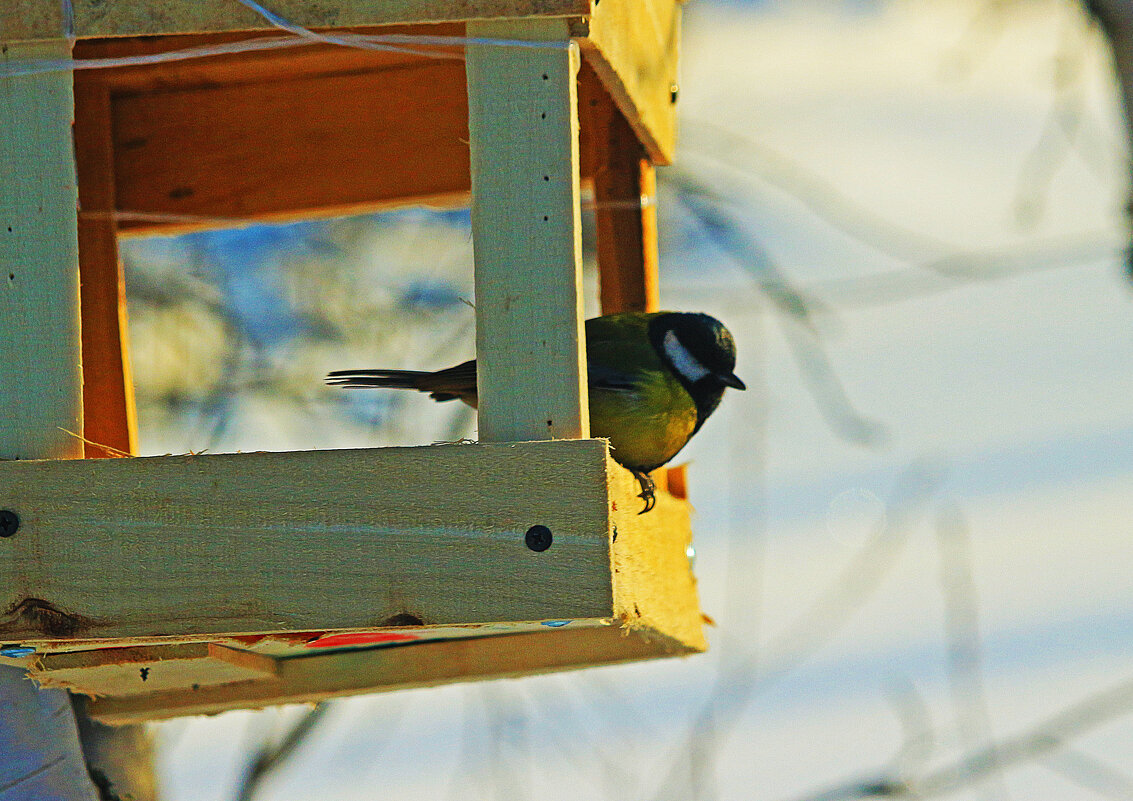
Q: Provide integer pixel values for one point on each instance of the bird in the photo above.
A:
(653, 379)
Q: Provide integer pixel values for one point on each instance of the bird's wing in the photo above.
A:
(610, 379)
(618, 352)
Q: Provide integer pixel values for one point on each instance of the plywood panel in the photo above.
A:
(138, 671)
(425, 665)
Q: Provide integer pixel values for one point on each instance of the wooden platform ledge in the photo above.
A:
(193, 584)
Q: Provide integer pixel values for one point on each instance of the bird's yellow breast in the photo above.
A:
(647, 426)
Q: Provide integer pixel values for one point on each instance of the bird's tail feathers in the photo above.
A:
(391, 379)
(450, 384)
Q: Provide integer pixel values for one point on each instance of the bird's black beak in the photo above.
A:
(732, 380)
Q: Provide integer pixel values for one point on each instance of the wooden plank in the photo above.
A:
(309, 679)
(281, 149)
(127, 672)
(523, 123)
(23, 20)
(625, 213)
(654, 587)
(646, 608)
(40, 380)
(174, 178)
(36, 19)
(307, 541)
(254, 66)
(633, 46)
(109, 415)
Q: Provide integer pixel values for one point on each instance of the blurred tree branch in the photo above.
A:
(272, 755)
(962, 636)
(1115, 18)
(795, 310)
(1038, 743)
(748, 670)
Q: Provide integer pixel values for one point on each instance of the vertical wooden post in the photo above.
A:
(108, 388)
(40, 374)
(626, 226)
(523, 125)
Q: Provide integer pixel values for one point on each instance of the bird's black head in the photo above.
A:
(701, 353)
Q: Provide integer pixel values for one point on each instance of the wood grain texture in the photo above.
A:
(126, 672)
(282, 149)
(296, 140)
(526, 228)
(307, 541)
(309, 679)
(307, 60)
(26, 20)
(38, 19)
(179, 541)
(626, 228)
(40, 378)
(633, 46)
(654, 587)
(109, 415)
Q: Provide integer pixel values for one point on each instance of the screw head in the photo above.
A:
(538, 538)
(9, 522)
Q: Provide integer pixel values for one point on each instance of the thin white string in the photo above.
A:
(409, 44)
(123, 215)
(69, 21)
(358, 40)
(37, 67)
(345, 40)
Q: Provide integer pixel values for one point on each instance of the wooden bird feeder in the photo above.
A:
(175, 585)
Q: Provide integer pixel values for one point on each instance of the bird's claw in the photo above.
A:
(648, 489)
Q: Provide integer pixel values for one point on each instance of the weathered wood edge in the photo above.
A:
(633, 46)
(42, 19)
(654, 586)
(320, 677)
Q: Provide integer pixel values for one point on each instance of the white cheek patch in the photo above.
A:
(683, 361)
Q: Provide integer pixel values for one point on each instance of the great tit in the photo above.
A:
(654, 378)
